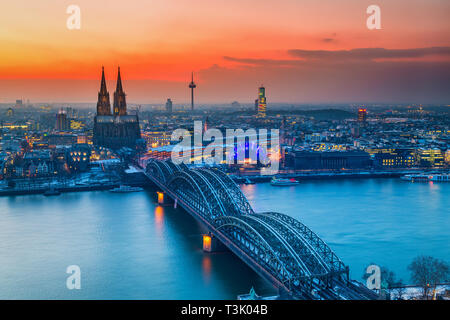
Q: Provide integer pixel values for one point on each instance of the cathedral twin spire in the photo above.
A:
(103, 104)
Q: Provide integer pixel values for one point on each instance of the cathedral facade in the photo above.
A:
(115, 129)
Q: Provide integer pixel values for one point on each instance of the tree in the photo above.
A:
(427, 272)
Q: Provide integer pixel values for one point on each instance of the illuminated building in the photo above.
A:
(362, 115)
(119, 129)
(78, 157)
(192, 86)
(82, 139)
(262, 102)
(62, 122)
(430, 157)
(60, 139)
(76, 124)
(393, 158)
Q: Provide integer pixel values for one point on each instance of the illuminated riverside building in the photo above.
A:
(430, 157)
(118, 129)
(306, 160)
(262, 102)
(393, 158)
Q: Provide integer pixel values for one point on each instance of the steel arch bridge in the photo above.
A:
(278, 247)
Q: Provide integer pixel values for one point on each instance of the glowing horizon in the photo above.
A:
(298, 49)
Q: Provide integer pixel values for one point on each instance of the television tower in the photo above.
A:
(192, 85)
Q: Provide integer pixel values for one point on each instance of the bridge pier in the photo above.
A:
(212, 244)
(160, 197)
(163, 199)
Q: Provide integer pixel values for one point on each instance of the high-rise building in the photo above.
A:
(262, 102)
(192, 85)
(256, 105)
(362, 115)
(169, 106)
(62, 122)
(118, 129)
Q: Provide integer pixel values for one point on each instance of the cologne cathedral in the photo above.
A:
(117, 129)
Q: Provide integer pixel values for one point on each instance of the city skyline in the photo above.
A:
(304, 52)
(210, 151)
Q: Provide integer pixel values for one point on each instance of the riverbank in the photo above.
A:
(326, 175)
(62, 189)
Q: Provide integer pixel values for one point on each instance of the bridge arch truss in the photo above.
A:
(282, 246)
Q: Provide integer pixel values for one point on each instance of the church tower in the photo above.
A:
(103, 104)
(116, 129)
(120, 104)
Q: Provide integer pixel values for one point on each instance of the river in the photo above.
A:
(128, 247)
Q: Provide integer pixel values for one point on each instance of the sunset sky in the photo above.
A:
(303, 51)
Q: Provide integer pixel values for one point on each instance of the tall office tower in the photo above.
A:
(120, 104)
(103, 105)
(256, 105)
(262, 102)
(192, 85)
(169, 106)
(62, 122)
(362, 115)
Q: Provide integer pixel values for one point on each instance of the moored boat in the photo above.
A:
(248, 181)
(283, 182)
(422, 177)
(440, 177)
(125, 189)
